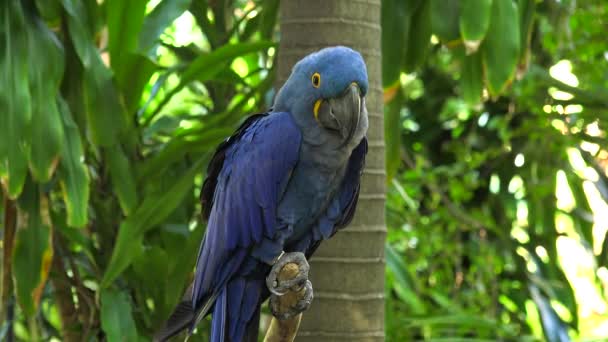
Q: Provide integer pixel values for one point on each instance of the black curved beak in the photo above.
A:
(342, 113)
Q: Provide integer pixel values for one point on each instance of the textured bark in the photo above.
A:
(6, 292)
(347, 272)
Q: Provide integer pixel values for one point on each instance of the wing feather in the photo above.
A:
(244, 188)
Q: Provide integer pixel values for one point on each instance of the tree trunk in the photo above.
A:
(347, 272)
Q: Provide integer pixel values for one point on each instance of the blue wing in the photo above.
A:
(341, 209)
(255, 167)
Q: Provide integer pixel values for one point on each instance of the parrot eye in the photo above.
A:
(316, 80)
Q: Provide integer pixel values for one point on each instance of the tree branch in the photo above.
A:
(285, 330)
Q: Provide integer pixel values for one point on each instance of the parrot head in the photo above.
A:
(326, 95)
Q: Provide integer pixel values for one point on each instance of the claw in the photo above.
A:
(279, 285)
(286, 308)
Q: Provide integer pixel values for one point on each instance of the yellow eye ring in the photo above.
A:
(316, 80)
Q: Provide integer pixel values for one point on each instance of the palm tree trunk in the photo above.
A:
(347, 272)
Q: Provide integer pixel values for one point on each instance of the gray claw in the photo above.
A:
(278, 287)
(300, 306)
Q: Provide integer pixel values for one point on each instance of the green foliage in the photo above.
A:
(110, 114)
(496, 171)
(109, 122)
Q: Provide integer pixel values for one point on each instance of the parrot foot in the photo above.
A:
(293, 303)
(290, 272)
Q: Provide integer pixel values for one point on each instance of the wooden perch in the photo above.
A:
(287, 309)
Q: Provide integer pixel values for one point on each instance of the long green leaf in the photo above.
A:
(208, 65)
(445, 15)
(395, 19)
(47, 65)
(155, 285)
(268, 18)
(527, 9)
(152, 211)
(182, 264)
(419, 37)
(50, 10)
(471, 79)
(392, 133)
(17, 126)
(116, 316)
(132, 83)
(123, 181)
(500, 50)
(5, 82)
(404, 281)
(124, 19)
(177, 148)
(74, 178)
(33, 250)
(474, 22)
(106, 118)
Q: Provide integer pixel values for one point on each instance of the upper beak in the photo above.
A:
(341, 113)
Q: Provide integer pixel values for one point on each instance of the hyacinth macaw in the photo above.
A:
(282, 183)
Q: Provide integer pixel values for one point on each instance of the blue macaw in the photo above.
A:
(282, 183)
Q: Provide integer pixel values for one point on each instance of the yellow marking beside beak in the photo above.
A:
(315, 109)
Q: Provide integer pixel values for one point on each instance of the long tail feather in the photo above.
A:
(180, 319)
(184, 317)
(218, 321)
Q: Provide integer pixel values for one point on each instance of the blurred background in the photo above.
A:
(495, 115)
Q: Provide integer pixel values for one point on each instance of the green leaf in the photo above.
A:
(268, 18)
(527, 8)
(123, 181)
(206, 66)
(116, 316)
(124, 19)
(395, 19)
(177, 148)
(33, 250)
(251, 26)
(474, 22)
(403, 280)
(106, 118)
(132, 83)
(155, 285)
(152, 211)
(79, 33)
(47, 65)
(445, 15)
(157, 21)
(182, 263)
(458, 319)
(419, 37)
(74, 178)
(583, 227)
(392, 134)
(15, 92)
(50, 10)
(471, 81)
(500, 49)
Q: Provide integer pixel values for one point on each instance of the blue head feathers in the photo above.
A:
(322, 75)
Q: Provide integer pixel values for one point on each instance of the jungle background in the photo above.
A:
(495, 114)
